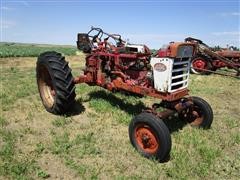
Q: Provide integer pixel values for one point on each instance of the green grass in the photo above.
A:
(32, 50)
(78, 148)
(17, 84)
(17, 168)
(93, 143)
(14, 163)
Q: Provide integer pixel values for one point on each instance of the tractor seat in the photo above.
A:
(83, 43)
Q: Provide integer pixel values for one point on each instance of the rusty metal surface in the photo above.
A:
(173, 47)
(113, 68)
(171, 108)
(219, 73)
(218, 59)
(229, 53)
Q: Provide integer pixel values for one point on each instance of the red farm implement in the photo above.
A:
(207, 61)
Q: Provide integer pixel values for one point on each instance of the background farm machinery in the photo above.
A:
(207, 61)
(117, 65)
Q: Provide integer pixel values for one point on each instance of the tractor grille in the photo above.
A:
(180, 74)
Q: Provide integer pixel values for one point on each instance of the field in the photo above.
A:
(32, 50)
(93, 143)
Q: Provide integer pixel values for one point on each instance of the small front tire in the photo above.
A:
(150, 136)
(199, 115)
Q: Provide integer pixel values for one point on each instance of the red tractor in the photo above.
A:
(207, 61)
(117, 65)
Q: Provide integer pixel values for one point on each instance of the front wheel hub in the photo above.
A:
(146, 139)
(193, 116)
(198, 118)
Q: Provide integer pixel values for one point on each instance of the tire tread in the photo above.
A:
(62, 79)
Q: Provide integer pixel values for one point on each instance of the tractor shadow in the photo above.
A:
(174, 124)
(76, 109)
(131, 109)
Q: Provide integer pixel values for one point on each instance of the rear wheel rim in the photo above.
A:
(199, 64)
(146, 139)
(46, 88)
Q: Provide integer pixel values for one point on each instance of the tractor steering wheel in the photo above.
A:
(94, 38)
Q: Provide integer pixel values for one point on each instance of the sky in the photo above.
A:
(153, 22)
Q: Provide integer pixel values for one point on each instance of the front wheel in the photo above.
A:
(150, 136)
(199, 115)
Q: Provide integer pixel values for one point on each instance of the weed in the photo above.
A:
(7, 151)
(3, 121)
(39, 148)
(80, 169)
(61, 144)
(61, 121)
(42, 174)
(236, 139)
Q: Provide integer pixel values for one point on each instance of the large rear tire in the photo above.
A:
(55, 82)
(150, 136)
